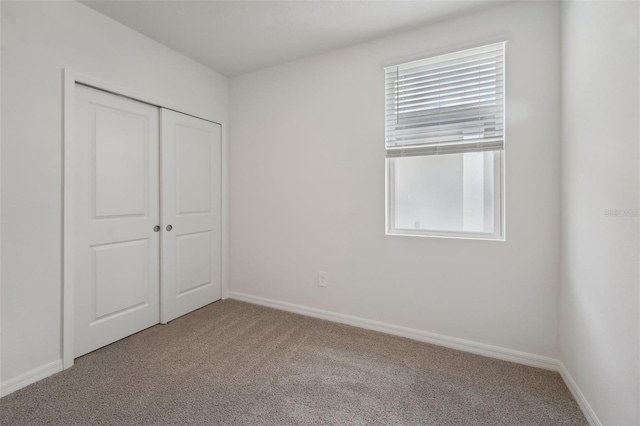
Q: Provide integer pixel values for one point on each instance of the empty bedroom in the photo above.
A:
(320, 212)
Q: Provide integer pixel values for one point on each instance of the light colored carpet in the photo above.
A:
(240, 364)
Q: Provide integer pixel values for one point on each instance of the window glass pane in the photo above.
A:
(446, 193)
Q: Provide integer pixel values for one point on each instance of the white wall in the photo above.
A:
(307, 190)
(38, 41)
(599, 329)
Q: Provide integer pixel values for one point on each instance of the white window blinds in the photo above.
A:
(446, 104)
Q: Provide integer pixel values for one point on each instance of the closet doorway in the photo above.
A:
(142, 217)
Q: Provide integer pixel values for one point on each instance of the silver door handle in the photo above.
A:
(156, 228)
(169, 227)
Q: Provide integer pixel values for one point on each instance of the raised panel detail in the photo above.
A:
(121, 155)
(193, 263)
(121, 277)
(193, 170)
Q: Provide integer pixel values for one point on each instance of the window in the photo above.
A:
(445, 145)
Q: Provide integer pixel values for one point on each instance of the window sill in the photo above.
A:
(448, 235)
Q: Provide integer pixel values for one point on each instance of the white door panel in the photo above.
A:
(121, 163)
(122, 274)
(191, 191)
(116, 193)
(193, 155)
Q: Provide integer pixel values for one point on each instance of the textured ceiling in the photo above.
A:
(235, 37)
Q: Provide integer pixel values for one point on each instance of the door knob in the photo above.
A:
(169, 227)
(156, 228)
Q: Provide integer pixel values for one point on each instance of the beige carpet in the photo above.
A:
(240, 364)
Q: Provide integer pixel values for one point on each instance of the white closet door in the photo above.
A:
(114, 174)
(191, 191)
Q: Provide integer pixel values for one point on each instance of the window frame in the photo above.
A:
(499, 171)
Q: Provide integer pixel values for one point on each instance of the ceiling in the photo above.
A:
(236, 37)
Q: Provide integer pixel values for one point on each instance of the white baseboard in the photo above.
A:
(588, 412)
(422, 336)
(30, 377)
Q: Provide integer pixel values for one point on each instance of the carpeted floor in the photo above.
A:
(241, 364)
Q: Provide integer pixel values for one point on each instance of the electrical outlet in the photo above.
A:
(322, 278)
